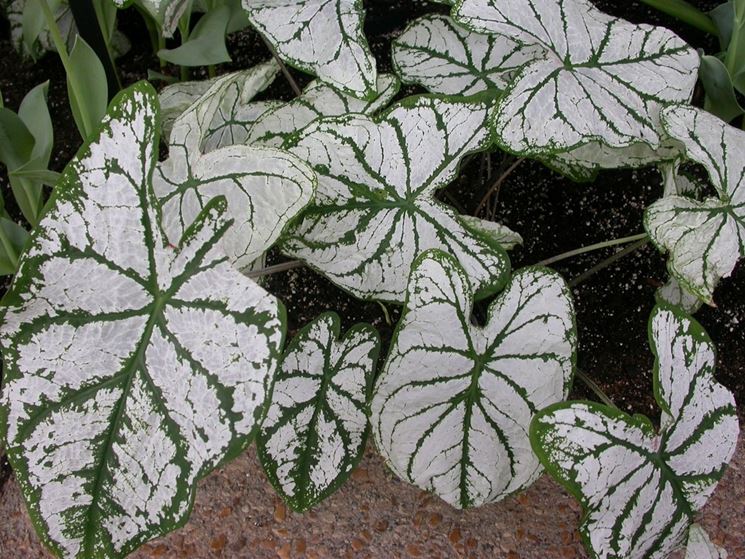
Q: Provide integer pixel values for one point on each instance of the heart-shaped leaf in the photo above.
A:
(451, 409)
(265, 187)
(241, 89)
(704, 239)
(444, 57)
(594, 98)
(316, 426)
(131, 368)
(375, 209)
(640, 490)
(322, 37)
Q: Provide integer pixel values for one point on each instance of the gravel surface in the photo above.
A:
(237, 515)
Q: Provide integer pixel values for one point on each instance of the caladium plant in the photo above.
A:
(704, 239)
(452, 406)
(322, 37)
(316, 426)
(132, 368)
(640, 488)
(593, 99)
(265, 188)
(375, 209)
(700, 546)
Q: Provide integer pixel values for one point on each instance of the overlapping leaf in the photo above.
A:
(640, 490)
(594, 99)
(451, 409)
(323, 37)
(265, 188)
(33, 29)
(166, 13)
(375, 209)
(316, 426)
(705, 239)
(444, 57)
(699, 545)
(131, 368)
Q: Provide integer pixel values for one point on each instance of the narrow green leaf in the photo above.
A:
(206, 43)
(35, 115)
(87, 88)
(720, 93)
(13, 238)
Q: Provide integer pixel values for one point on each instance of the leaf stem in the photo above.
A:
(293, 84)
(685, 12)
(607, 262)
(595, 388)
(276, 268)
(497, 185)
(591, 248)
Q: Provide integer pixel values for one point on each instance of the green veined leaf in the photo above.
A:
(318, 99)
(375, 209)
(672, 293)
(704, 239)
(206, 43)
(87, 88)
(166, 13)
(265, 187)
(322, 37)
(594, 99)
(444, 57)
(316, 426)
(176, 98)
(640, 490)
(132, 368)
(699, 545)
(506, 237)
(28, 29)
(451, 408)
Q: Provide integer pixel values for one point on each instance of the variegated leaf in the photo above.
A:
(444, 57)
(676, 295)
(265, 187)
(375, 209)
(318, 100)
(316, 426)
(63, 17)
(640, 490)
(451, 409)
(594, 99)
(322, 37)
(166, 13)
(233, 113)
(131, 368)
(699, 545)
(704, 239)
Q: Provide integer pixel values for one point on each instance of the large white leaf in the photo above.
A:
(232, 111)
(131, 368)
(375, 209)
(316, 426)
(451, 409)
(265, 187)
(594, 99)
(444, 57)
(323, 37)
(640, 490)
(705, 239)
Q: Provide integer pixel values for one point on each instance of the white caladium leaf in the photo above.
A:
(322, 37)
(594, 98)
(444, 57)
(43, 42)
(237, 91)
(451, 409)
(166, 13)
(131, 368)
(699, 545)
(265, 187)
(640, 490)
(704, 239)
(316, 427)
(675, 294)
(506, 237)
(318, 100)
(375, 209)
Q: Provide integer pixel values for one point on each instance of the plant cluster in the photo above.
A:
(140, 352)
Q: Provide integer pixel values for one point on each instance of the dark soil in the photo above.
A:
(552, 213)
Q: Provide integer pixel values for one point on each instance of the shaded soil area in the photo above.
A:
(375, 514)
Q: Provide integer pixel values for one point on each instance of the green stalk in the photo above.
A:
(107, 39)
(592, 385)
(685, 12)
(607, 262)
(591, 248)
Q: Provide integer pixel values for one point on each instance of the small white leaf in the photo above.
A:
(699, 545)
(451, 408)
(705, 239)
(316, 427)
(323, 37)
(675, 294)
